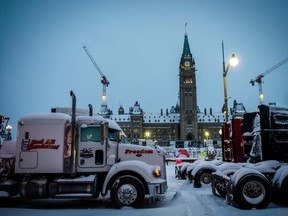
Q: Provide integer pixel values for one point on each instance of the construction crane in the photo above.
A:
(258, 79)
(104, 82)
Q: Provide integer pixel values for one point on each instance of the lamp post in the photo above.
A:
(233, 62)
(9, 128)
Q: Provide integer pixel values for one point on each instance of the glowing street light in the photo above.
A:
(9, 129)
(206, 134)
(147, 135)
(233, 62)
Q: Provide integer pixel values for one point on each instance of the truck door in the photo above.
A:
(91, 151)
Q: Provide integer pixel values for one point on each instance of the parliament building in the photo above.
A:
(184, 121)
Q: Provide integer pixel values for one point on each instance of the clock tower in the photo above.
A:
(187, 95)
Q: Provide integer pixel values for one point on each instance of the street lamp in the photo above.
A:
(233, 62)
(147, 135)
(9, 129)
(207, 134)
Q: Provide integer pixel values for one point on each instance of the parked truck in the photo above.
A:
(57, 154)
(264, 176)
(254, 170)
(257, 136)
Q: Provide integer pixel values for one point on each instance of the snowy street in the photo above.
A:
(182, 200)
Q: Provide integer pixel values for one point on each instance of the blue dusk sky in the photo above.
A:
(138, 46)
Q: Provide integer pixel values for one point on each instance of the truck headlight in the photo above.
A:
(157, 172)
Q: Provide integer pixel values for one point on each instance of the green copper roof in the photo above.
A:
(186, 48)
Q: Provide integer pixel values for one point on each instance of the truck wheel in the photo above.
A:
(181, 175)
(284, 191)
(219, 187)
(127, 191)
(203, 176)
(253, 191)
(206, 177)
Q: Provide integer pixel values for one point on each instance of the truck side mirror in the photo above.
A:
(104, 132)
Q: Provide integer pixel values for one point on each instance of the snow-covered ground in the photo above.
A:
(182, 200)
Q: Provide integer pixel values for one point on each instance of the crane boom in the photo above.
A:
(258, 79)
(104, 110)
(104, 78)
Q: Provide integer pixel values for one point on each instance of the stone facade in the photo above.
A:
(182, 122)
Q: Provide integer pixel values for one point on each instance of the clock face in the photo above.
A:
(187, 63)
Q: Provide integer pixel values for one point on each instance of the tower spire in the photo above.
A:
(186, 47)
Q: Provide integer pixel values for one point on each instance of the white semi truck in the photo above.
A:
(57, 154)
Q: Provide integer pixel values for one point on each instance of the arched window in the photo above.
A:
(189, 136)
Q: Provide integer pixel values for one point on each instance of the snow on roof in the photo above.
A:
(158, 118)
(112, 124)
(91, 119)
(215, 117)
(170, 118)
(97, 119)
(120, 118)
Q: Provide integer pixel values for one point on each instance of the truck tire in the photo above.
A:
(127, 191)
(218, 186)
(252, 191)
(284, 191)
(181, 174)
(203, 176)
(206, 177)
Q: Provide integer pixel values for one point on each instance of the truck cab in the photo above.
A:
(63, 153)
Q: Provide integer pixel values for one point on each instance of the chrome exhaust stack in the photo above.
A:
(73, 132)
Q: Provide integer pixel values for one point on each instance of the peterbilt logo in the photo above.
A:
(138, 153)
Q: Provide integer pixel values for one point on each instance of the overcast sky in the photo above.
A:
(138, 46)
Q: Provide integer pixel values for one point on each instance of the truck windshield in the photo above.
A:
(90, 134)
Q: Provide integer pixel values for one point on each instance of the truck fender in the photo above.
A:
(199, 169)
(131, 167)
(280, 184)
(280, 176)
(202, 166)
(251, 189)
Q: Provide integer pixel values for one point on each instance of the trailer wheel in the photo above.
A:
(127, 191)
(253, 191)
